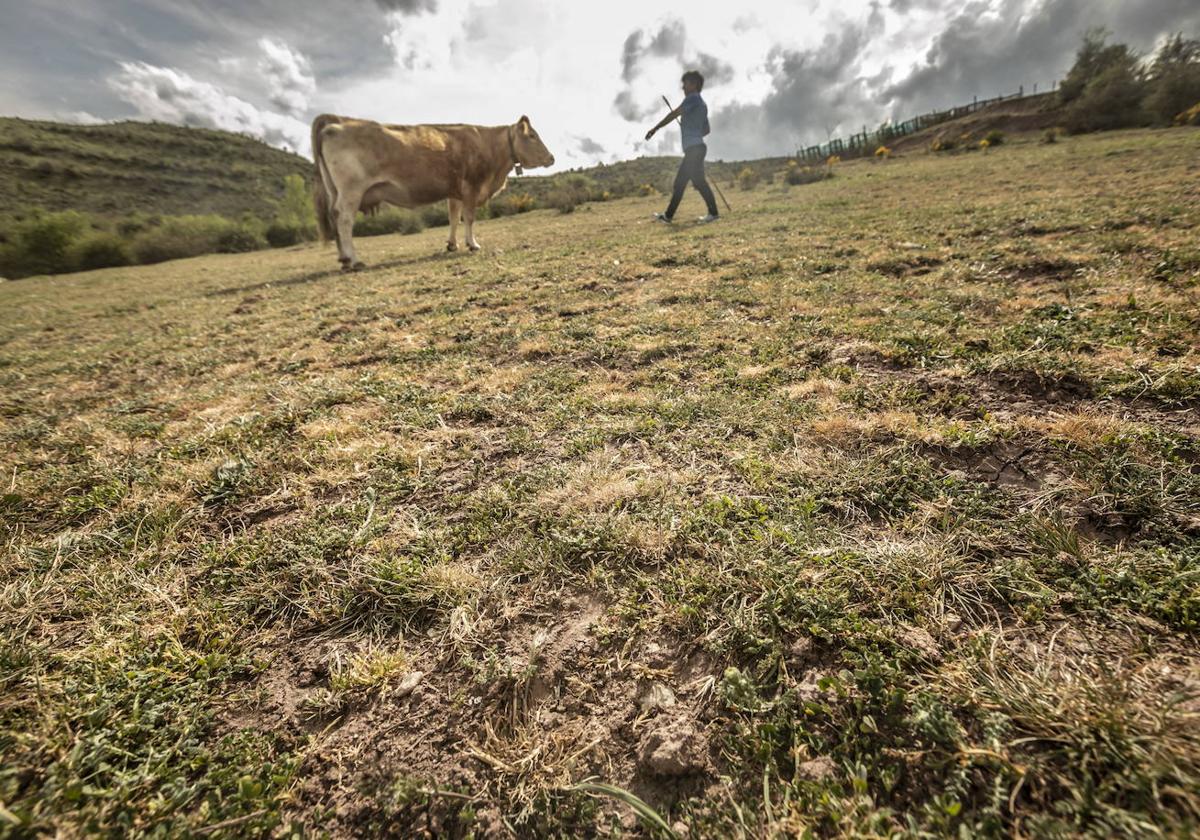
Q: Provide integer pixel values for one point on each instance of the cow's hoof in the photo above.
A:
(346, 267)
(451, 246)
(359, 266)
(474, 247)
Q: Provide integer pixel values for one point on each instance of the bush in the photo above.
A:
(511, 204)
(747, 179)
(241, 239)
(1111, 100)
(181, 236)
(1050, 135)
(43, 244)
(388, 220)
(101, 250)
(943, 144)
(435, 215)
(283, 234)
(647, 190)
(562, 200)
(1189, 117)
(796, 174)
(994, 137)
(295, 220)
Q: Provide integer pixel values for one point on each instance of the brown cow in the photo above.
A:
(362, 164)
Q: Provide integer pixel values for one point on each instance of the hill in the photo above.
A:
(126, 167)
(824, 518)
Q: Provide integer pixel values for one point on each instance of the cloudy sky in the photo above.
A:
(589, 74)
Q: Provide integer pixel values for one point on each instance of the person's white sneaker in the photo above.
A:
(659, 217)
(706, 219)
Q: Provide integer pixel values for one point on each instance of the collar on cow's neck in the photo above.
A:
(512, 150)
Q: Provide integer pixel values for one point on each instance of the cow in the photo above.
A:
(362, 164)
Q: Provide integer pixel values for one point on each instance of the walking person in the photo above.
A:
(693, 114)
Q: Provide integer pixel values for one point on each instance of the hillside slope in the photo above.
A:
(872, 510)
(124, 167)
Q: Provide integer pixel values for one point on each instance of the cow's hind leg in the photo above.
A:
(346, 210)
(454, 208)
(469, 219)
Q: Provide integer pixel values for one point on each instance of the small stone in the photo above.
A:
(818, 769)
(919, 640)
(411, 680)
(800, 649)
(676, 749)
(808, 689)
(681, 829)
(952, 622)
(656, 696)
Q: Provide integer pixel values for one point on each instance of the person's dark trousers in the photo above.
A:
(692, 169)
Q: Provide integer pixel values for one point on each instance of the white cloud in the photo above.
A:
(288, 75)
(169, 95)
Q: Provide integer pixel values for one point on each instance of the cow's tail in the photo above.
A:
(324, 190)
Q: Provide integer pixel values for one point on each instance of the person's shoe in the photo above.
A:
(706, 219)
(661, 217)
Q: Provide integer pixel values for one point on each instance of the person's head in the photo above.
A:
(693, 82)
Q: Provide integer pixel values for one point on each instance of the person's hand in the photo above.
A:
(649, 134)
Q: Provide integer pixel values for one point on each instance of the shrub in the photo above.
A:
(833, 160)
(562, 200)
(1050, 135)
(1111, 100)
(43, 244)
(281, 234)
(241, 238)
(294, 216)
(943, 144)
(435, 215)
(796, 174)
(883, 153)
(647, 190)
(179, 237)
(1189, 117)
(747, 179)
(994, 137)
(101, 250)
(511, 204)
(388, 220)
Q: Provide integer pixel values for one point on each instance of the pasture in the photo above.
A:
(871, 510)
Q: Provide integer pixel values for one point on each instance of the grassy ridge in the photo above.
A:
(150, 168)
(871, 510)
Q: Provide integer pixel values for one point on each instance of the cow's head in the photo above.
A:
(528, 147)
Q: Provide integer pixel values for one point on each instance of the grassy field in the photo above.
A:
(872, 510)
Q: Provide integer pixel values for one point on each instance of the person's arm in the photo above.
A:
(667, 120)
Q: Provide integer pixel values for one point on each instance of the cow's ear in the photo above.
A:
(523, 122)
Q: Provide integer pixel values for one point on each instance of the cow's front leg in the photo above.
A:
(469, 219)
(454, 207)
(346, 211)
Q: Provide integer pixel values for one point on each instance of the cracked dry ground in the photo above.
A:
(870, 510)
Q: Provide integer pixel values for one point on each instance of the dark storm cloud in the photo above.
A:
(670, 41)
(985, 50)
(63, 52)
(590, 147)
(408, 7)
(814, 93)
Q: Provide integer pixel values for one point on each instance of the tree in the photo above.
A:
(1174, 79)
(1095, 56)
(1105, 88)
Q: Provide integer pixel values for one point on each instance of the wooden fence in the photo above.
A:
(865, 143)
